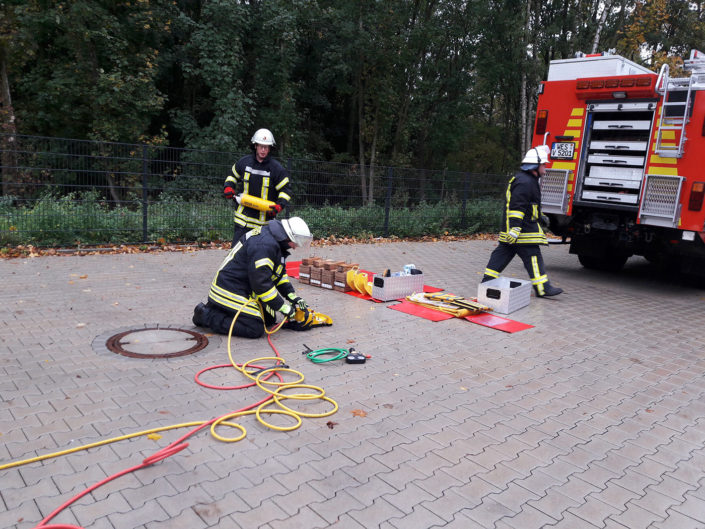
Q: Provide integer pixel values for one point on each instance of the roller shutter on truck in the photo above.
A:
(616, 150)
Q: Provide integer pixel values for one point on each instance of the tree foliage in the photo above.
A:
(430, 83)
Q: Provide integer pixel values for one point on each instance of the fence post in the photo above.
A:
(144, 193)
(465, 200)
(388, 200)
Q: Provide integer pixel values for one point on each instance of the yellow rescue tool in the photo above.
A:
(315, 319)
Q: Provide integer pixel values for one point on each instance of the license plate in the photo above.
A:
(562, 150)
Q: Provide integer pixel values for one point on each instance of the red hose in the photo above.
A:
(167, 451)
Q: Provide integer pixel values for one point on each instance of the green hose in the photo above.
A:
(327, 354)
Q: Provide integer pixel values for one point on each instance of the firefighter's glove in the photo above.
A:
(229, 192)
(297, 302)
(274, 211)
(288, 311)
(544, 221)
(512, 236)
(300, 323)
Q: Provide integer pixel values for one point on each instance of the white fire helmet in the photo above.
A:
(263, 137)
(535, 157)
(297, 231)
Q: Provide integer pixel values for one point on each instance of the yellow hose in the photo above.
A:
(275, 398)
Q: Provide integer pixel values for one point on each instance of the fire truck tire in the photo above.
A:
(610, 263)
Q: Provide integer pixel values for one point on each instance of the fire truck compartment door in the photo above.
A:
(617, 198)
(616, 159)
(616, 173)
(616, 184)
(624, 146)
(622, 125)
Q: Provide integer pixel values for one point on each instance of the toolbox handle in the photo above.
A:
(494, 293)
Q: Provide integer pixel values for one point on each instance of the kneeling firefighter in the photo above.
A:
(252, 279)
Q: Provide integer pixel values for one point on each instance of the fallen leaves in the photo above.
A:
(359, 413)
(30, 250)
(331, 424)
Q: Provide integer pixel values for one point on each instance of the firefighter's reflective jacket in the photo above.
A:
(522, 210)
(254, 270)
(266, 179)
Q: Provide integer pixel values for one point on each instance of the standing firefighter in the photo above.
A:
(266, 188)
(521, 233)
(252, 280)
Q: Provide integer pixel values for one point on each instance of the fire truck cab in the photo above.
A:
(627, 171)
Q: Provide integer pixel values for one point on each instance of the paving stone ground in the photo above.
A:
(593, 418)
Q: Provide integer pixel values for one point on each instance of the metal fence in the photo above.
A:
(64, 191)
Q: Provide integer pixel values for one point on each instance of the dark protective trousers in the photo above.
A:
(239, 232)
(530, 255)
(219, 320)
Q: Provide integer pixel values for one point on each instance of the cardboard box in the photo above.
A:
(504, 294)
(327, 279)
(340, 281)
(315, 279)
(304, 273)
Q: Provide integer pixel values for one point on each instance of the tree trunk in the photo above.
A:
(8, 128)
(523, 104)
(603, 17)
(373, 152)
(361, 142)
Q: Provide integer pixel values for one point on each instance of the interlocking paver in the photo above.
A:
(593, 418)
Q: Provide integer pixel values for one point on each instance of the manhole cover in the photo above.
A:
(155, 342)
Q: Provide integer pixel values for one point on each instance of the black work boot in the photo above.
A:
(486, 278)
(199, 315)
(548, 290)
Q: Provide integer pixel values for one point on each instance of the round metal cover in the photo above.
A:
(156, 342)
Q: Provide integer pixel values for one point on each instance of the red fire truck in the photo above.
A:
(627, 171)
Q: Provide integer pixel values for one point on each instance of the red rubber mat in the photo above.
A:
(484, 318)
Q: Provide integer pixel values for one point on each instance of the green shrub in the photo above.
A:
(86, 219)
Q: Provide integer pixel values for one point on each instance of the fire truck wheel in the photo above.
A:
(608, 263)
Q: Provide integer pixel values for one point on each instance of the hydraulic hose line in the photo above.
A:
(268, 379)
(328, 354)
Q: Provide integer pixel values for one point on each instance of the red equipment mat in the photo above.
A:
(484, 318)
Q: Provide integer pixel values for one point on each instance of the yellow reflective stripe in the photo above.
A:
(515, 214)
(233, 302)
(491, 273)
(537, 278)
(283, 280)
(227, 294)
(265, 261)
(531, 240)
(230, 179)
(269, 295)
(282, 184)
(284, 196)
(249, 222)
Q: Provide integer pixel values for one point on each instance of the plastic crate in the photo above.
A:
(504, 294)
(396, 287)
